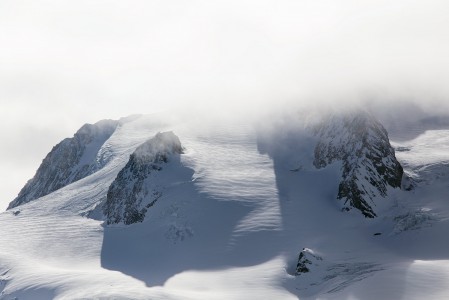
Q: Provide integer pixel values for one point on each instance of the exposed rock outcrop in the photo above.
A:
(69, 161)
(369, 165)
(306, 260)
(132, 193)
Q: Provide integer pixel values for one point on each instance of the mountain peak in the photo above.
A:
(158, 148)
(131, 193)
(369, 165)
(69, 161)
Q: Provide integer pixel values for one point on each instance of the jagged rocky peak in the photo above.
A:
(70, 160)
(307, 259)
(133, 191)
(369, 165)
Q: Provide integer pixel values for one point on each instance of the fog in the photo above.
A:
(65, 63)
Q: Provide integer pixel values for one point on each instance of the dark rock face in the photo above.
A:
(369, 164)
(307, 258)
(131, 193)
(69, 161)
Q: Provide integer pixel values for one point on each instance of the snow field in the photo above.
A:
(230, 223)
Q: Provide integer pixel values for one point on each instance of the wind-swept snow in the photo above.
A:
(53, 250)
(235, 211)
(69, 161)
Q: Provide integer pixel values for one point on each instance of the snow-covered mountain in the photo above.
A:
(361, 144)
(157, 207)
(69, 161)
(134, 191)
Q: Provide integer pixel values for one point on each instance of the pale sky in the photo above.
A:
(64, 63)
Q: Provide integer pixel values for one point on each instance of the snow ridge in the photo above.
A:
(130, 196)
(361, 143)
(69, 161)
(229, 214)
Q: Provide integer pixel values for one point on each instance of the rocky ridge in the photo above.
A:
(132, 193)
(369, 165)
(69, 161)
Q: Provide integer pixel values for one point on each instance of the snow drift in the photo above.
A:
(144, 208)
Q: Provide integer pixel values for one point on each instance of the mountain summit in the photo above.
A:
(369, 164)
(132, 193)
(70, 160)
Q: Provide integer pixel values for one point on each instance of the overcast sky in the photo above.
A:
(64, 63)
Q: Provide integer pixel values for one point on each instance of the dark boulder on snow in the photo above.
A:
(69, 161)
(306, 260)
(369, 165)
(132, 192)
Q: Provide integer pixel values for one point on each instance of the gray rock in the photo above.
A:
(369, 164)
(69, 161)
(306, 260)
(131, 194)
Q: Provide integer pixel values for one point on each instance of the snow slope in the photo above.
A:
(236, 210)
(72, 159)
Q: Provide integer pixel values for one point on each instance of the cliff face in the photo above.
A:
(132, 193)
(369, 165)
(70, 160)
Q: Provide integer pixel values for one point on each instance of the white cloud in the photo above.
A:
(64, 63)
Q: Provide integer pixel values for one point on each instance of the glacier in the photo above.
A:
(235, 206)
